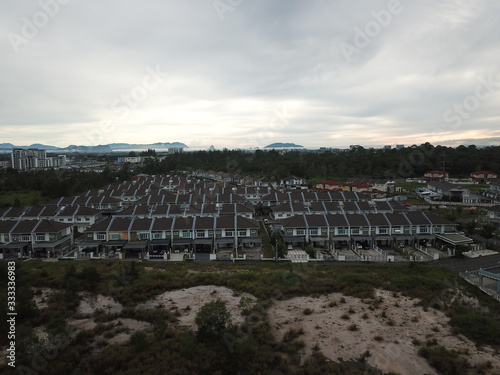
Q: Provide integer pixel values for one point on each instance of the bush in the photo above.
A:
(445, 361)
(353, 327)
(481, 329)
(308, 311)
(212, 320)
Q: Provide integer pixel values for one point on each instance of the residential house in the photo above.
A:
(448, 189)
(436, 175)
(37, 238)
(493, 214)
(329, 185)
(483, 176)
(292, 182)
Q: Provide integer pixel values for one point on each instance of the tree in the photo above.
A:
(486, 231)
(90, 278)
(213, 320)
(133, 272)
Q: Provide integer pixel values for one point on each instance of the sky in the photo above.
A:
(247, 73)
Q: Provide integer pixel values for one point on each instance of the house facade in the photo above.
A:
(35, 238)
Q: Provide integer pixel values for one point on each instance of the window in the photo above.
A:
(242, 233)
(100, 236)
(229, 233)
(383, 230)
(40, 237)
(301, 232)
(157, 235)
(25, 238)
(313, 232)
(424, 229)
(144, 236)
(341, 231)
(186, 234)
(355, 231)
(200, 233)
(114, 237)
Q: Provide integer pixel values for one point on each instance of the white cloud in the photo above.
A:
(226, 79)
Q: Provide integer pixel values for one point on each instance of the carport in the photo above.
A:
(226, 243)
(402, 239)
(340, 241)
(203, 245)
(135, 249)
(158, 247)
(361, 241)
(321, 242)
(453, 239)
(423, 239)
(383, 240)
(181, 244)
(297, 241)
(15, 250)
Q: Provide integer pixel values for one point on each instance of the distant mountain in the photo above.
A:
(282, 145)
(10, 146)
(101, 149)
(43, 147)
(157, 145)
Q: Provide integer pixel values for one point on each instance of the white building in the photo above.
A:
(34, 158)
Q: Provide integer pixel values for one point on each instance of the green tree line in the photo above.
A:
(411, 161)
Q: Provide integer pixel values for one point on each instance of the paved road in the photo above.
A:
(467, 264)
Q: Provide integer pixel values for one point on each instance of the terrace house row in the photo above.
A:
(289, 209)
(79, 216)
(183, 210)
(331, 231)
(161, 236)
(34, 238)
(297, 196)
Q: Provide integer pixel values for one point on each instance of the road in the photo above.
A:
(468, 264)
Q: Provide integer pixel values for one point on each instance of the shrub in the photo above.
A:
(212, 320)
(481, 329)
(445, 361)
(308, 311)
(292, 334)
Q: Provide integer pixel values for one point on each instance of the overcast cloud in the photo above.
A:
(246, 73)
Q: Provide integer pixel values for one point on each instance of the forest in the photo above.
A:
(31, 188)
(327, 164)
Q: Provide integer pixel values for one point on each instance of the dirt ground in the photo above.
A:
(391, 327)
(91, 302)
(189, 301)
(346, 327)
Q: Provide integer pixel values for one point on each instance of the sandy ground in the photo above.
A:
(91, 302)
(389, 332)
(41, 296)
(341, 327)
(189, 301)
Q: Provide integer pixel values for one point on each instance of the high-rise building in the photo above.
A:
(34, 158)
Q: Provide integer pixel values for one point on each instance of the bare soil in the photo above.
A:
(189, 301)
(391, 331)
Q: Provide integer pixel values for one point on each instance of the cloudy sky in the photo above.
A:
(246, 73)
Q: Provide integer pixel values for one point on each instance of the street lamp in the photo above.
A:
(276, 251)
